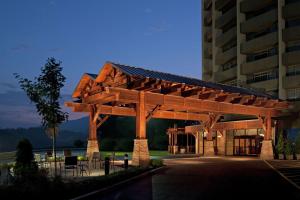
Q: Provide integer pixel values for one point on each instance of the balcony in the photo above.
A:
(253, 5)
(226, 18)
(208, 35)
(267, 85)
(208, 18)
(207, 4)
(226, 37)
(291, 58)
(221, 76)
(207, 50)
(260, 22)
(259, 43)
(207, 64)
(291, 82)
(221, 4)
(259, 65)
(291, 11)
(291, 34)
(223, 57)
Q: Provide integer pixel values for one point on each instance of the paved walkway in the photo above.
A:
(209, 178)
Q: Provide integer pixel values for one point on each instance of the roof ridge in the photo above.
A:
(138, 67)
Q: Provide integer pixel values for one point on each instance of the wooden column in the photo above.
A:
(141, 117)
(140, 156)
(266, 152)
(268, 128)
(93, 145)
(209, 135)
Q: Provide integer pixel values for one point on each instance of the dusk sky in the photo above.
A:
(163, 35)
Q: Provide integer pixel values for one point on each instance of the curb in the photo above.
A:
(282, 175)
(117, 184)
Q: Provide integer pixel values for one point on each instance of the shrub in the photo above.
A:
(280, 143)
(156, 163)
(288, 148)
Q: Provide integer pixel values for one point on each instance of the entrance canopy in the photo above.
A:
(115, 91)
(130, 91)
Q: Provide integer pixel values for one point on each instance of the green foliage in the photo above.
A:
(156, 163)
(280, 143)
(45, 93)
(288, 148)
(78, 143)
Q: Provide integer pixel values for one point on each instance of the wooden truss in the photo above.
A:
(114, 92)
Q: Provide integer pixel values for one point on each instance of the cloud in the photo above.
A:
(159, 28)
(20, 47)
(8, 85)
(148, 10)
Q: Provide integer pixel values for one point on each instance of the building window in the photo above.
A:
(273, 93)
(250, 15)
(293, 70)
(231, 82)
(229, 45)
(292, 23)
(263, 54)
(294, 46)
(291, 1)
(253, 35)
(229, 65)
(263, 76)
(293, 94)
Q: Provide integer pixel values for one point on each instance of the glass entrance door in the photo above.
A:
(247, 145)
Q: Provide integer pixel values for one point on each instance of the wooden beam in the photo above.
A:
(131, 112)
(192, 103)
(232, 125)
(104, 119)
(151, 113)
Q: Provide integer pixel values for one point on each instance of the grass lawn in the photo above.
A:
(155, 153)
(7, 156)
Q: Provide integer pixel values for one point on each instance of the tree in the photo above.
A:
(44, 91)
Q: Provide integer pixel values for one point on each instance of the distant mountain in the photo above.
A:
(17, 111)
(117, 133)
(78, 125)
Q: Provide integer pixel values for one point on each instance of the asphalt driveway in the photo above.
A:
(209, 178)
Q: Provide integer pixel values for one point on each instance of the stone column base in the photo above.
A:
(140, 155)
(92, 146)
(209, 148)
(266, 152)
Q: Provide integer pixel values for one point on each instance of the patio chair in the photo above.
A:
(71, 164)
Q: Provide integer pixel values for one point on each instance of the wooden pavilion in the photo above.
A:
(130, 91)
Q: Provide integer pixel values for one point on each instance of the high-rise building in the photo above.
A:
(253, 43)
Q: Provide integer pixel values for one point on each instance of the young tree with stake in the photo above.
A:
(44, 92)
